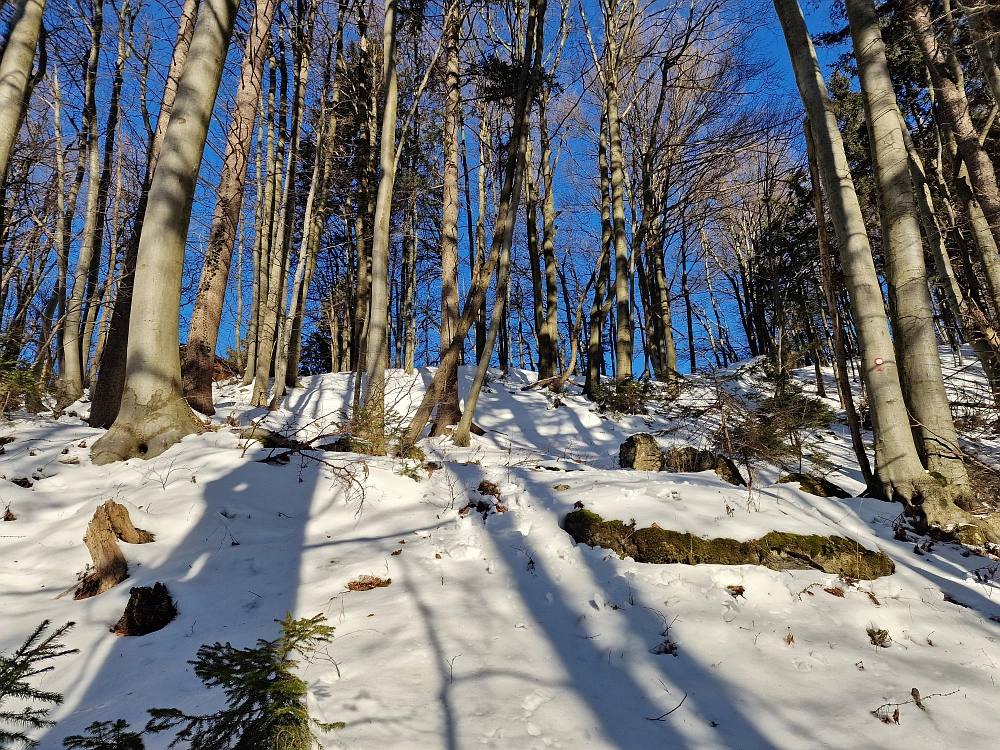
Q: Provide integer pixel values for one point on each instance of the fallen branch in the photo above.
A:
(663, 716)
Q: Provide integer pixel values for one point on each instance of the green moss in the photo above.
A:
(815, 485)
(775, 550)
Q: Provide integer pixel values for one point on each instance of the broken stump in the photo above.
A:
(122, 524)
(110, 523)
(149, 609)
(110, 567)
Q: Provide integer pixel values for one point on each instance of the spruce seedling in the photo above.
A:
(15, 671)
(266, 707)
(106, 735)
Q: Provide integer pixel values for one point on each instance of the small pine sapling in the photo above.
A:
(106, 735)
(15, 671)
(266, 706)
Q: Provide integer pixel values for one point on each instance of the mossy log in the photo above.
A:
(693, 459)
(814, 485)
(775, 550)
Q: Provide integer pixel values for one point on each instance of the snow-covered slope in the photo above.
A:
(496, 632)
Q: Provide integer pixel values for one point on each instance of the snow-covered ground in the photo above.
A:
(498, 632)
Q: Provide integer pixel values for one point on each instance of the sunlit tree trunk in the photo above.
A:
(15, 73)
(910, 302)
(203, 334)
(154, 414)
(373, 400)
(106, 393)
(448, 410)
(71, 380)
(897, 464)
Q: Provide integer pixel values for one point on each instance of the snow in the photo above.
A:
(497, 633)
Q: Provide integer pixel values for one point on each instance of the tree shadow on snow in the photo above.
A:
(232, 575)
(625, 686)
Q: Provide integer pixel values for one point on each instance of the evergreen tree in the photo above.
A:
(266, 707)
(15, 671)
(106, 735)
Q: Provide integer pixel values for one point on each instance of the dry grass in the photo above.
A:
(367, 583)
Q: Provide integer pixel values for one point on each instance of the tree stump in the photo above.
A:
(110, 523)
(149, 609)
(110, 567)
(122, 525)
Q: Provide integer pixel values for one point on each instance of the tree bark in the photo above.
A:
(373, 400)
(897, 465)
(448, 411)
(506, 212)
(910, 302)
(954, 107)
(841, 373)
(71, 380)
(15, 74)
(504, 231)
(106, 393)
(154, 414)
(203, 334)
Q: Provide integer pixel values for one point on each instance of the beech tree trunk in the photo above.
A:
(71, 377)
(910, 302)
(15, 73)
(503, 235)
(154, 414)
(373, 401)
(203, 334)
(601, 307)
(106, 393)
(897, 464)
(841, 373)
(506, 211)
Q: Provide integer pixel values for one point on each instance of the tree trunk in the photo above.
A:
(898, 466)
(448, 411)
(15, 74)
(910, 308)
(154, 414)
(506, 214)
(106, 393)
(975, 326)
(373, 401)
(954, 107)
(841, 373)
(600, 307)
(203, 334)
(548, 339)
(504, 231)
(623, 347)
(71, 380)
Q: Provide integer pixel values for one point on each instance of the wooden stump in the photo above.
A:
(110, 567)
(122, 524)
(110, 523)
(149, 609)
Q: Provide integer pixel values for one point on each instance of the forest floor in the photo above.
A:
(497, 630)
